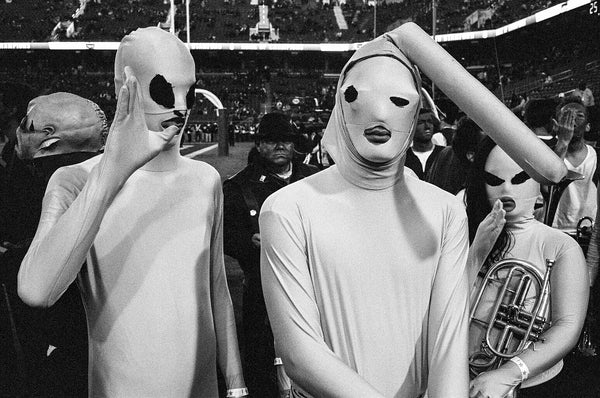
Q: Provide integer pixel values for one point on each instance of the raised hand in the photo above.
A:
(565, 126)
(130, 143)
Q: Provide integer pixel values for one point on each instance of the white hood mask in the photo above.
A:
(374, 117)
(165, 71)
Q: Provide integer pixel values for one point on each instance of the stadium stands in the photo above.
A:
(534, 61)
(222, 20)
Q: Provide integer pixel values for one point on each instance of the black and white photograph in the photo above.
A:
(299, 198)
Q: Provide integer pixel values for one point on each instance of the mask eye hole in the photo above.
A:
(520, 178)
(161, 91)
(190, 97)
(399, 101)
(23, 124)
(31, 127)
(350, 94)
(491, 179)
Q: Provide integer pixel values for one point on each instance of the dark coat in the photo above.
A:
(240, 221)
(244, 195)
(413, 162)
(449, 172)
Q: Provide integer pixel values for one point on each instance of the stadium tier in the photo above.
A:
(233, 21)
(536, 48)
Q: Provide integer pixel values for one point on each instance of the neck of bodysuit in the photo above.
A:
(166, 160)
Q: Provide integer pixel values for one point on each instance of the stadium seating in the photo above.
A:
(230, 20)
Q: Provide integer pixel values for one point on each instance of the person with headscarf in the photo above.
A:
(148, 223)
(364, 268)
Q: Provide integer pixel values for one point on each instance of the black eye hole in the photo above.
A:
(350, 94)
(399, 101)
(190, 97)
(23, 124)
(32, 127)
(520, 178)
(491, 179)
(161, 91)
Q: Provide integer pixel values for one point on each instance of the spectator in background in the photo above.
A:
(421, 156)
(579, 198)
(272, 169)
(538, 115)
(450, 170)
(585, 94)
(60, 129)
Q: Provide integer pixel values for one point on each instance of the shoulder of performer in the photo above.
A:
(73, 176)
(202, 170)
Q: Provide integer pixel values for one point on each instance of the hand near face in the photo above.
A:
(565, 127)
(487, 233)
(130, 143)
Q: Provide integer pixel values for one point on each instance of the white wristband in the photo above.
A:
(237, 392)
(277, 361)
(522, 367)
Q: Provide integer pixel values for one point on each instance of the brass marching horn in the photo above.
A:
(514, 321)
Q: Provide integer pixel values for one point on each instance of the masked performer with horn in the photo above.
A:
(364, 268)
(522, 325)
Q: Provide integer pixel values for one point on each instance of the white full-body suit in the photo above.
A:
(148, 224)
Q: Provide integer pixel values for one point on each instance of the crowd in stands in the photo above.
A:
(247, 93)
(228, 20)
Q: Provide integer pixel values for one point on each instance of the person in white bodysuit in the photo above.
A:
(501, 197)
(347, 274)
(149, 223)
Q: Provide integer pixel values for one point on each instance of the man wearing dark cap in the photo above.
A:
(244, 194)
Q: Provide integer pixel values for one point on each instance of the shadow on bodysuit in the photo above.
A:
(421, 236)
(115, 291)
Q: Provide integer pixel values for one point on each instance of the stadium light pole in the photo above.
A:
(375, 20)
(187, 21)
(433, 32)
(172, 27)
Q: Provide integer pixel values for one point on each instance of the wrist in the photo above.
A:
(562, 143)
(237, 392)
(520, 367)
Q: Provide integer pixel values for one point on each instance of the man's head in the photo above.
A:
(276, 137)
(59, 124)
(538, 113)
(427, 124)
(380, 112)
(165, 71)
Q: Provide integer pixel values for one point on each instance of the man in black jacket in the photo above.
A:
(244, 194)
(423, 153)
